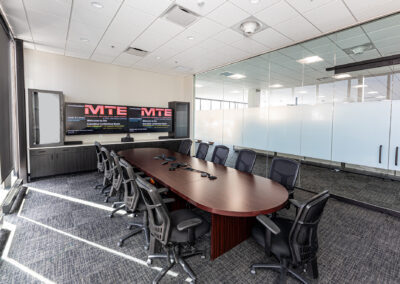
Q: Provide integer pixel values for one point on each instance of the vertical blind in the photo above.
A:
(6, 150)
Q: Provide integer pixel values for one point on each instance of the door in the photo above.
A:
(361, 133)
(394, 152)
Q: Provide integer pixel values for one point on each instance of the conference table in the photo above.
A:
(233, 199)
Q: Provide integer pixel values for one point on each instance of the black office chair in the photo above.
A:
(220, 155)
(285, 171)
(100, 164)
(107, 180)
(172, 230)
(132, 203)
(245, 161)
(202, 151)
(184, 147)
(116, 170)
(293, 242)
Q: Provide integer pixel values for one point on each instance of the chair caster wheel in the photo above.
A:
(120, 244)
(146, 247)
(129, 227)
(149, 262)
(113, 206)
(253, 271)
(203, 256)
(106, 200)
(110, 215)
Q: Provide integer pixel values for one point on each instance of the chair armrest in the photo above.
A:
(140, 173)
(154, 206)
(295, 202)
(187, 224)
(168, 200)
(269, 224)
(162, 190)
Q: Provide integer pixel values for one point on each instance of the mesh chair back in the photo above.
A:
(116, 171)
(100, 164)
(132, 193)
(107, 163)
(245, 161)
(220, 154)
(159, 220)
(285, 172)
(184, 147)
(303, 240)
(202, 151)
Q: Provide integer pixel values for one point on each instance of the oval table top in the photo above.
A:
(233, 193)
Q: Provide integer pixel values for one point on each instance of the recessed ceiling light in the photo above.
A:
(310, 59)
(321, 96)
(303, 92)
(341, 76)
(276, 86)
(190, 37)
(84, 39)
(360, 86)
(254, 1)
(372, 92)
(237, 76)
(235, 92)
(97, 5)
(158, 57)
(250, 27)
(199, 86)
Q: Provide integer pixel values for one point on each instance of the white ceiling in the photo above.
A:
(76, 28)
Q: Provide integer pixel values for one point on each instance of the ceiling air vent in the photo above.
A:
(136, 51)
(180, 16)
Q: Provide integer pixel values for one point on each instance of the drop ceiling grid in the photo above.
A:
(100, 48)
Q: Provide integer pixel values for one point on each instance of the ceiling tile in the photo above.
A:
(250, 46)
(330, 17)
(17, 18)
(157, 34)
(228, 15)
(303, 6)
(201, 9)
(102, 58)
(46, 48)
(254, 8)
(126, 59)
(298, 29)
(277, 13)
(206, 27)
(228, 36)
(369, 9)
(349, 38)
(152, 7)
(164, 52)
(271, 38)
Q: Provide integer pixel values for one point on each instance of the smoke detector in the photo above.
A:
(136, 51)
(250, 26)
(180, 16)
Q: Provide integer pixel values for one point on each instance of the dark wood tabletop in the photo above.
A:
(233, 193)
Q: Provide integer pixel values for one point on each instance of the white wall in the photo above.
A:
(84, 81)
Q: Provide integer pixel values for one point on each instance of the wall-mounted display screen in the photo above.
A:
(98, 119)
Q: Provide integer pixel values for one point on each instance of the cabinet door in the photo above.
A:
(41, 163)
(361, 133)
(394, 152)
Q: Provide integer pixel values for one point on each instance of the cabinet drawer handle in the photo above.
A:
(380, 154)
(396, 160)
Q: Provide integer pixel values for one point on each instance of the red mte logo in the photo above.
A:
(106, 110)
(151, 111)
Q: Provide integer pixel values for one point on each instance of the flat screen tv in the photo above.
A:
(102, 119)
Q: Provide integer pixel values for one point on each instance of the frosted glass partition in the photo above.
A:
(209, 125)
(255, 125)
(233, 127)
(284, 129)
(361, 133)
(316, 132)
(49, 118)
(394, 150)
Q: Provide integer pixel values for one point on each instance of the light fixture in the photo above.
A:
(190, 37)
(235, 92)
(254, 1)
(97, 5)
(303, 92)
(372, 92)
(250, 27)
(381, 97)
(237, 76)
(84, 39)
(360, 86)
(199, 86)
(310, 59)
(321, 96)
(341, 76)
(276, 86)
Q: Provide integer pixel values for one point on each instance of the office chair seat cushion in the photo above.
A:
(280, 242)
(179, 216)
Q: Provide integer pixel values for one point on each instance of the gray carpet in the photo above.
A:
(69, 242)
(372, 190)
